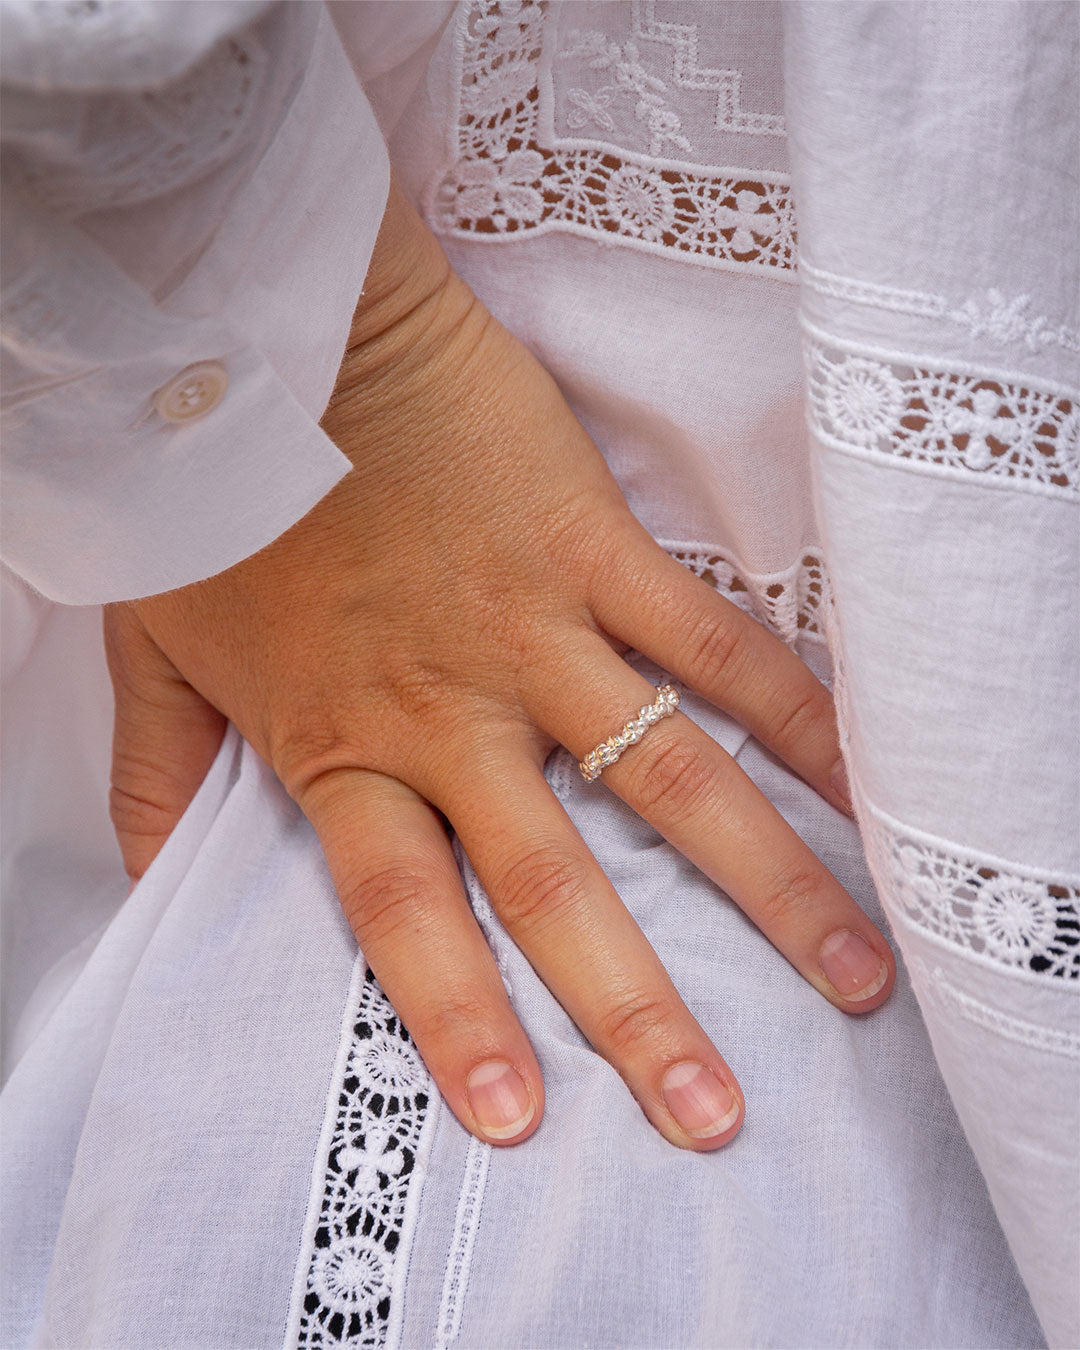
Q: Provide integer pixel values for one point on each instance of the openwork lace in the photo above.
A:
(1015, 917)
(514, 174)
(356, 1253)
(788, 602)
(964, 423)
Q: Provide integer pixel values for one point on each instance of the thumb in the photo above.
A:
(165, 737)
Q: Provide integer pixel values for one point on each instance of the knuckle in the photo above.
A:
(451, 1017)
(671, 779)
(796, 894)
(803, 717)
(138, 816)
(541, 886)
(388, 902)
(713, 652)
(309, 754)
(634, 1021)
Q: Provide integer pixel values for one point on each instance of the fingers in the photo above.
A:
(564, 914)
(399, 887)
(165, 737)
(698, 798)
(680, 622)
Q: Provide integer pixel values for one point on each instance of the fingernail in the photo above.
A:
(841, 786)
(499, 1099)
(698, 1100)
(852, 967)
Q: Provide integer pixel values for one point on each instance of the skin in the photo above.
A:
(403, 654)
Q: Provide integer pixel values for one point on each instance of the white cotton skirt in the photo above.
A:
(220, 1136)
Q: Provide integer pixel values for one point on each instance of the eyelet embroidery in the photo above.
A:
(999, 429)
(1014, 917)
(511, 178)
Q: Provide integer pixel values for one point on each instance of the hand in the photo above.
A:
(422, 638)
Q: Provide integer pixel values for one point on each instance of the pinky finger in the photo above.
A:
(400, 889)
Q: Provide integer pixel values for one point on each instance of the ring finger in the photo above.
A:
(698, 798)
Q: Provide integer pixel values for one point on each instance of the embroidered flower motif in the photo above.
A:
(746, 218)
(351, 1274)
(389, 1065)
(1015, 917)
(590, 109)
(985, 418)
(633, 80)
(496, 92)
(972, 902)
(863, 399)
(502, 190)
(642, 202)
(499, 25)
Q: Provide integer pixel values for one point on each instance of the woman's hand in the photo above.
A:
(420, 640)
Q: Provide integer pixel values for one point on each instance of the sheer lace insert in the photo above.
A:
(524, 165)
(1014, 917)
(788, 602)
(356, 1256)
(967, 424)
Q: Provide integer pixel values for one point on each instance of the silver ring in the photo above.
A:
(607, 752)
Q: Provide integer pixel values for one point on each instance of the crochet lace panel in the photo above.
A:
(527, 162)
(1011, 916)
(787, 602)
(357, 1253)
(974, 425)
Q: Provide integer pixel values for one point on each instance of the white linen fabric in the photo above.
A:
(227, 217)
(216, 1132)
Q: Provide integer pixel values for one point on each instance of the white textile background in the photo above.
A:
(620, 184)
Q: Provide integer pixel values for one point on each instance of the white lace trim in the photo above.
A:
(992, 315)
(788, 602)
(509, 178)
(977, 425)
(1014, 917)
(935, 984)
(368, 1176)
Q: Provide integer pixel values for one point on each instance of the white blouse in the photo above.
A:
(215, 1130)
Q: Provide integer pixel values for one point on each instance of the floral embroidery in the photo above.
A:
(509, 178)
(995, 316)
(1009, 433)
(646, 92)
(352, 1264)
(1015, 917)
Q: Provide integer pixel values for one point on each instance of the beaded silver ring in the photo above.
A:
(607, 752)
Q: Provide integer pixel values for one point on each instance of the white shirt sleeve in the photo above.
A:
(181, 265)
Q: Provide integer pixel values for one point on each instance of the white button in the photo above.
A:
(197, 390)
